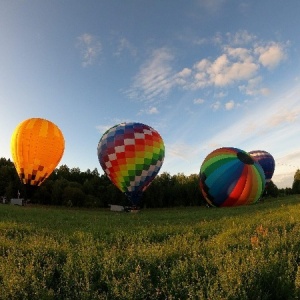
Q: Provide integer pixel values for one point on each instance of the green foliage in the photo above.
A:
(296, 183)
(271, 190)
(72, 187)
(249, 252)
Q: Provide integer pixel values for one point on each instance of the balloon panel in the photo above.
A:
(229, 177)
(131, 154)
(37, 146)
(266, 161)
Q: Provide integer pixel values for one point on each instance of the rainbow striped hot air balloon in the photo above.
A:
(230, 177)
(131, 155)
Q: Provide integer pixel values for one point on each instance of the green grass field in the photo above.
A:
(248, 252)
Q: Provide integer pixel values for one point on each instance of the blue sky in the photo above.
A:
(203, 73)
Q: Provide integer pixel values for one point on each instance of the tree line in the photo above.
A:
(72, 187)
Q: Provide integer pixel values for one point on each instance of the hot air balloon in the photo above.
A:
(37, 145)
(230, 177)
(131, 155)
(267, 162)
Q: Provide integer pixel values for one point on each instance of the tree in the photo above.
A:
(271, 190)
(73, 196)
(296, 183)
(43, 194)
(72, 187)
(57, 191)
(63, 172)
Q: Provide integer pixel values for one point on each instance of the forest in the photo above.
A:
(74, 188)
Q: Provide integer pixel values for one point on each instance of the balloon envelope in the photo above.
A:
(230, 177)
(37, 145)
(267, 162)
(131, 155)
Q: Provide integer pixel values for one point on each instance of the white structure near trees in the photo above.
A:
(17, 201)
(116, 207)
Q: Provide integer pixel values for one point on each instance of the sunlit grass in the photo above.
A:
(248, 252)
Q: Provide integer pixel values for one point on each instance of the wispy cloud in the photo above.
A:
(282, 117)
(125, 45)
(180, 150)
(198, 101)
(211, 6)
(216, 105)
(149, 111)
(278, 123)
(104, 127)
(90, 48)
(271, 125)
(152, 110)
(241, 64)
(240, 38)
(289, 158)
(254, 87)
(155, 77)
(285, 168)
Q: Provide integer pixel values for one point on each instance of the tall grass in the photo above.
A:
(248, 252)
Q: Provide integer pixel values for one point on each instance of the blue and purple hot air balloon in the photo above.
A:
(267, 162)
(230, 177)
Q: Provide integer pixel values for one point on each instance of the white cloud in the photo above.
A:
(288, 158)
(285, 168)
(235, 64)
(251, 129)
(224, 72)
(270, 55)
(221, 94)
(283, 179)
(258, 123)
(232, 66)
(103, 128)
(149, 111)
(185, 72)
(212, 6)
(283, 116)
(155, 78)
(217, 39)
(181, 150)
(200, 41)
(253, 87)
(229, 105)
(181, 77)
(152, 110)
(216, 105)
(125, 45)
(242, 37)
(238, 65)
(114, 121)
(198, 101)
(90, 48)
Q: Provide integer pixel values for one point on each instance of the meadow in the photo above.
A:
(250, 252)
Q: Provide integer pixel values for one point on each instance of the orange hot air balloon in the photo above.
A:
(37, 146)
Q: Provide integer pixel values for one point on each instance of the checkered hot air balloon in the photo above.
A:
(230, 177)
(131, 155)
(267, 162)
